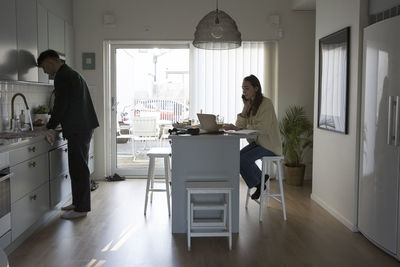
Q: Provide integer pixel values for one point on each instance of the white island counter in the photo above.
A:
(206, 157)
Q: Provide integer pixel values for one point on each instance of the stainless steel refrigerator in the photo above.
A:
(378, 211)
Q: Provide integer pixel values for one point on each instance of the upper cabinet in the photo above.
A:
(69, 45)
(56, 33)
(8, 41)
(27, 28)
(43, 39)
(27, 42)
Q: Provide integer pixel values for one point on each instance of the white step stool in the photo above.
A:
(153, 153)
(266, 162)
(209, 227)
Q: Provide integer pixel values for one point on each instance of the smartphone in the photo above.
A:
(244, 98)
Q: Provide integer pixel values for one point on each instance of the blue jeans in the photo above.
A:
(249, 170)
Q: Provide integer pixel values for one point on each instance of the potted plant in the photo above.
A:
(41, 114)
(296, 132)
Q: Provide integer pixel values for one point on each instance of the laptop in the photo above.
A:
(208, 123)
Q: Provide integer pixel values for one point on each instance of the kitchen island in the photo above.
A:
(207, 157)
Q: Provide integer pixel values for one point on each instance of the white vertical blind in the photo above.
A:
(218, 75)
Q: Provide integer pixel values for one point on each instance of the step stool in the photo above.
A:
(209, 227)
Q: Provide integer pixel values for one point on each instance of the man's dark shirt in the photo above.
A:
(73, 107)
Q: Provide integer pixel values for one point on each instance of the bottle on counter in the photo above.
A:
(22, 119)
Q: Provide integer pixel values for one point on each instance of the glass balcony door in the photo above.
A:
(150, 91)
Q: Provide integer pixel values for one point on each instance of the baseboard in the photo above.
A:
(334, 213)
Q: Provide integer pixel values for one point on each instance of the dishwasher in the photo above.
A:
(5, 200)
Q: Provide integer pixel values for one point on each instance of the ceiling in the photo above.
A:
(303, 4)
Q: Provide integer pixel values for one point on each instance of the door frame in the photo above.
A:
(110, 47)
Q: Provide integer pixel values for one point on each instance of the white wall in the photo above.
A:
(176, 20)
(335, 158)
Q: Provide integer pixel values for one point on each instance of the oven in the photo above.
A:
(5, 195)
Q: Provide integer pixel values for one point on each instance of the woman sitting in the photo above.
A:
(258, 114)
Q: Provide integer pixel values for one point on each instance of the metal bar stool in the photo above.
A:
(153, 153)
(266, 163)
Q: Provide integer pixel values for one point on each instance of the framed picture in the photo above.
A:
(333, 85)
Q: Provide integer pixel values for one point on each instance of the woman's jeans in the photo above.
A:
(248, 168)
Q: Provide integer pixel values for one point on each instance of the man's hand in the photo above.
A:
(50, 136)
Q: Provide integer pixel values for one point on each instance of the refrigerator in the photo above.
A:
(378, 202)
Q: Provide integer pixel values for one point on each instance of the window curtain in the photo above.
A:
(217, 77)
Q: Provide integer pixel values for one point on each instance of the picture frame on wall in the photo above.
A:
(334, 60)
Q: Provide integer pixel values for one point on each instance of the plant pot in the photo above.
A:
(294, 175)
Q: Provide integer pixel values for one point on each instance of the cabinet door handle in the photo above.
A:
(32, 164)
(34, 197)
(32, 149)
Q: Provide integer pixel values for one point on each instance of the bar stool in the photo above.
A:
(153, 153)
(198, 227)
(266, 163)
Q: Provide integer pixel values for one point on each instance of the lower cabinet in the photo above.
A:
(60, 181)
(91, 157)
(27, 210)
(91, 163)
(60, 188)
(28, 175)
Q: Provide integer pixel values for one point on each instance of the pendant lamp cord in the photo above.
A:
(216, 17)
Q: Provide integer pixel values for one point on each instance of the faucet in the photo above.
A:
(12, 109)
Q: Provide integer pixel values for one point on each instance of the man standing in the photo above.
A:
(73, 109)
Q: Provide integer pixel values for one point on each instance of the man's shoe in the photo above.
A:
(70, 215)
(69, 207)
(256, 194)
(115, 177)
(93, 185)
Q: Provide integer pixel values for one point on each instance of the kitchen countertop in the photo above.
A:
(7, 144)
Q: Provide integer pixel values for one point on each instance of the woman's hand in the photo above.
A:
(230, 126)
(246, 106)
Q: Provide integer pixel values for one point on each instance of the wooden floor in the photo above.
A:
(117, 234)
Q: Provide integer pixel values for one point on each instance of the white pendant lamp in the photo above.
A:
(217, 30)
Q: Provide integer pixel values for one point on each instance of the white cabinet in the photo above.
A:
(56, 33)
(91, 157)
(27, 152)
(28, 175)
(29, 186)
(60, 189)
(29, 209)
(27, 40)
(8, 44)
(58, 161)
(43, 38)
(60, 181)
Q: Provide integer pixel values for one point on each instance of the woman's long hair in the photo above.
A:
(253, 80)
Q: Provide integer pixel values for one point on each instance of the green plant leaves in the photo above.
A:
(41, 109)
(296, 132)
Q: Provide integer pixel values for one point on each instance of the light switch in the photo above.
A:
(88, 61)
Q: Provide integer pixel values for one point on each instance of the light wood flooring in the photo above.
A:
(117, 234)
